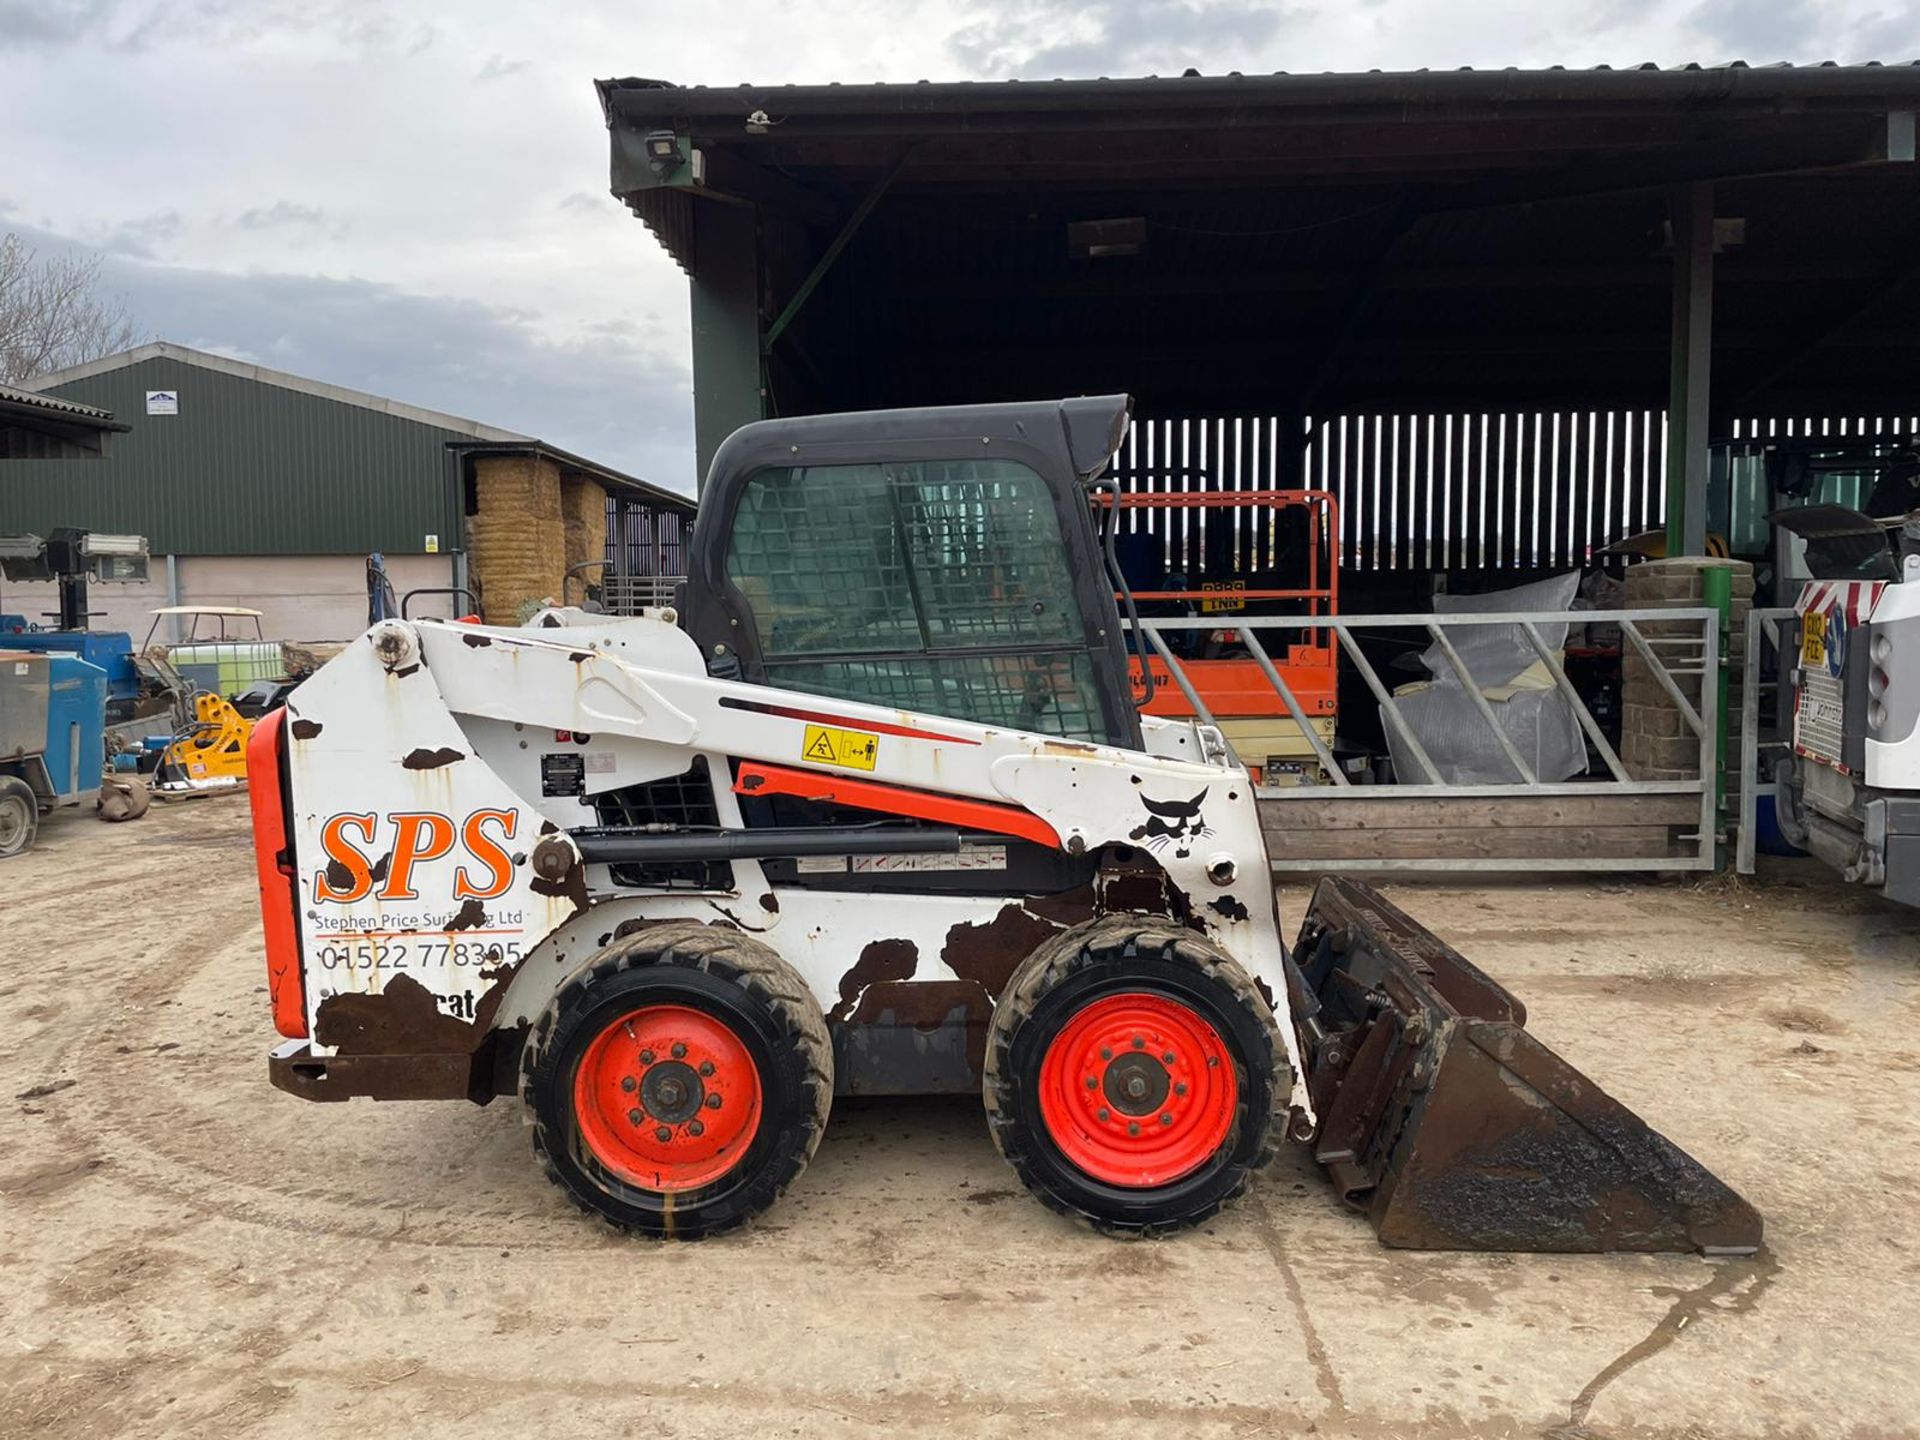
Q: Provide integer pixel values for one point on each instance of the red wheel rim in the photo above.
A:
(1138, 1090)
(667, 1098)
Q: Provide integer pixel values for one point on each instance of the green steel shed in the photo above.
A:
(227, 458)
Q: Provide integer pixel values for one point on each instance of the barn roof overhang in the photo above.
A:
(1302, 242)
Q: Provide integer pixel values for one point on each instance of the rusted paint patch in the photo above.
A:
(478, 642)
(404, 671)
(471, 916)
(1069, 907)
(988, 954)
(339, 877)
(306, 729)
(1228, 906)
(570, 886)
(424, 759)
(1067, 747)
(579, 656)
(879, 960)
(404, 1019)
(769, 902)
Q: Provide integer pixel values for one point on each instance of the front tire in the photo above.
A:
(19, 816)
(1135, 1078)
(680, 1082)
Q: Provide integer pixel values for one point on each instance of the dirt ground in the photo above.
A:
(186, 1251)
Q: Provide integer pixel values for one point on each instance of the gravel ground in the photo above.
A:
(186, 1251)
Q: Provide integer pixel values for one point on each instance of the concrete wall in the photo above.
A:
(303, 597)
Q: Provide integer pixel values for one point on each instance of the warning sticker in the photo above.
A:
(849, 749)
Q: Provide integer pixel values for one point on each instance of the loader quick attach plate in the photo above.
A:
(1455, 1129)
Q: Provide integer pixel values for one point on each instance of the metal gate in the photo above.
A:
(1609, 821)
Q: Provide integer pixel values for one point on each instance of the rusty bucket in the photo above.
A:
(1453, 1128)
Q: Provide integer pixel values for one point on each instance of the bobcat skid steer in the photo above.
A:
(872, 812)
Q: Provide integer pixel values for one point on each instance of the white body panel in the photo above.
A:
(451, 722)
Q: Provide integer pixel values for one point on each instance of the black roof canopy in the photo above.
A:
(1299, 243)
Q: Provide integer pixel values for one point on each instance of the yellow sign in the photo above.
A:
(1813, 638)
(849, 749)
(1227, 596)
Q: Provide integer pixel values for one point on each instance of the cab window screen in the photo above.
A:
(871, 582)
(937, 555)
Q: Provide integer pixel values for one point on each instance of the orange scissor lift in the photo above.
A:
(1230, 682)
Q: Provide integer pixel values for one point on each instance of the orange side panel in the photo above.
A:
(279, 885)
(755, 779)
(1238, 689)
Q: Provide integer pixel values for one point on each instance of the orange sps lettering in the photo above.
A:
(414, 838)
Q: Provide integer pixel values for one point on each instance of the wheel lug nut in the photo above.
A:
(694, 1127)
(1106, 1052)
(1166, 1117)
(1101, 1114)
(706, 1067)
(1168, 1058)
(1092, 1084)
(646, 1057)
(633, 1117)
(1181, 1088)
(663, 1134)
(1133, 1127)
(679, 1051)
(1139, 1042)
(628, 1084)
(713, 1102)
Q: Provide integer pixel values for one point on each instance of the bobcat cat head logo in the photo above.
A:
(1175, 822)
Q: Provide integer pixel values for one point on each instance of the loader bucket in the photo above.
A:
(1455, 1129)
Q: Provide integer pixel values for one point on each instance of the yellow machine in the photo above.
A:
(211, 753)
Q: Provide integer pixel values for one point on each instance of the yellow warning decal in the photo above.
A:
(849, 749)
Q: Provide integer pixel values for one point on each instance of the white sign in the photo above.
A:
(433, 544)
(163, 402)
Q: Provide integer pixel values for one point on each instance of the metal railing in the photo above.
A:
(630, 594)
(1683, 645)
(1777, 629)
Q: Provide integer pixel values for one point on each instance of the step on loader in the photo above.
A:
(871, 811)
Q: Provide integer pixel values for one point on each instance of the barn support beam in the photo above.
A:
(1690, 368)
(726, 325)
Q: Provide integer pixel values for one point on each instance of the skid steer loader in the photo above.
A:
(871, 811)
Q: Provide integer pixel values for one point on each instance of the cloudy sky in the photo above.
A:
(410, 198)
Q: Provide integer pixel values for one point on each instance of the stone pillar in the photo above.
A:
(1655, 743)
(583, 503)
(517, 537)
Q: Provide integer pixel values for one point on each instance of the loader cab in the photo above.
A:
(942, 561)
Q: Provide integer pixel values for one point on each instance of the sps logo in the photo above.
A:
(415, 837)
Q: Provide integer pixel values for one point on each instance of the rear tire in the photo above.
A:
(1085, 1103)
(680, 1082)
(19, 816)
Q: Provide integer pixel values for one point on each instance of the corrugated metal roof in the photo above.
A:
(54, 405)
(245, 370)
(623, 98)
(259, 462)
